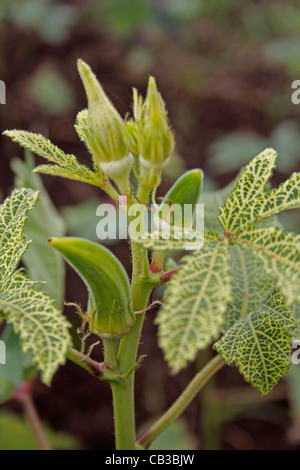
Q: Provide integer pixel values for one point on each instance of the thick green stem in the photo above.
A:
(123, 393)
(182, 402)
(124, 417)
(111, 353)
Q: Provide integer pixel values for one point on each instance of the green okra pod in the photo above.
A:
(110, 312)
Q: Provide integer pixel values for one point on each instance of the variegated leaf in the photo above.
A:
(250, 282)
(42, 328)
(286, 197)
(260, 344)
(13, 214)
(243, 204)
(279, 253)
(195, 302)
(65, 165)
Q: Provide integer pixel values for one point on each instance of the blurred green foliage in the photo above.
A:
(51, 20)
(16, 434)
(50, 91)
(230, 151)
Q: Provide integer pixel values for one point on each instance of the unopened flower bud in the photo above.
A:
(149, 135)
(106, 131)
(157, 141)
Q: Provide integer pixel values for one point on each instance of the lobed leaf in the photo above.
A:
(250, 282)
(260, 344)
(243, 204)
(295, 307)
(195, 303)
(249, 203)
(13, 214)
(44, 221)
(279, 253)
(286, 197)
(42, 328)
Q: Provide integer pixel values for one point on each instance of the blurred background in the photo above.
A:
(225, 69)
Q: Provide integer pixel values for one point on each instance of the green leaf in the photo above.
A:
(195, 303)
(42, 328)
(13, 214)
(243, 204)
(286, 197)
(295, 307)
(260, 344)
(279, 253)
(249, 203)
(44, 221)
(249, 283)
(65, 165)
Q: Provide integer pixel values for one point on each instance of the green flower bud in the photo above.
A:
(156, 139)
(149, 134)
(106, 131)
(110, 311)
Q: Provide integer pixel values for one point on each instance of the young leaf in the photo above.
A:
(250, 282)
(260, 344)
(249, 203)
(279, 253)
(296, 311)
(243, 204)
(41, 327)
(65, 165)
(195, 303)
(44, 221)
(286, 197)
(12, 219)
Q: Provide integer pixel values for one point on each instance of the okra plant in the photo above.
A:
(236, 287)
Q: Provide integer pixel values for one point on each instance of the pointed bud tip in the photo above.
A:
(83, 67)
(152, 84)
(54, 241)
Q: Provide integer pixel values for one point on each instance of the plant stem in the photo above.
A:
(111, 353)
(123, 393)
(93, 367)
(34, 420)
(182, 402)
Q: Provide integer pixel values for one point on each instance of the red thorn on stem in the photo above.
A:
(167, 276)
(227, 234)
